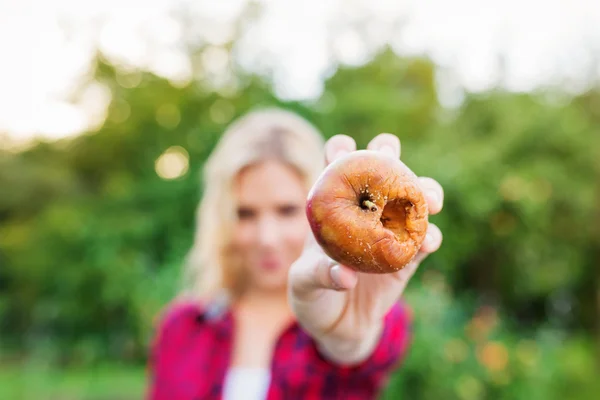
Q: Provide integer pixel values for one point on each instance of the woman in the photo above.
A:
(268, 315)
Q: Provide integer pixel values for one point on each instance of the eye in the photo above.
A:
(245, 213)
(288, 210)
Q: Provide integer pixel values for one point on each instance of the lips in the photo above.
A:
(269, 263)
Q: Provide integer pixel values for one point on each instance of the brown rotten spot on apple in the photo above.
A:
(367, 212)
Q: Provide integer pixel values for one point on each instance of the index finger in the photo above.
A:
(387, 143)
(338, 146)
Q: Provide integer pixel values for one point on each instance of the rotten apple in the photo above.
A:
(367, 211)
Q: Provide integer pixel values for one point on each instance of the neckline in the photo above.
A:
(249, 370)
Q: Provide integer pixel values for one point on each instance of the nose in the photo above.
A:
(268, 232)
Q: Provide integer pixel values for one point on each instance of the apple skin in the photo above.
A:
(367, 211)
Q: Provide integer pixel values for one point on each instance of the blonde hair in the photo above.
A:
(270, 133)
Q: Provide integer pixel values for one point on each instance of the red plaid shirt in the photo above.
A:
(192, 348)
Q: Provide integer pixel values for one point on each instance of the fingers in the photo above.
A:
(338, 146)
(432, 242)
(434, 194)
(433, 239)
(315, 271)
(386, 143)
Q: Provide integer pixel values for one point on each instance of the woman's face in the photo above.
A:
(272, 226)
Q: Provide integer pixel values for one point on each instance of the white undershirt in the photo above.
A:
(246, 384)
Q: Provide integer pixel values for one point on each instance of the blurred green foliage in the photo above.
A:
(100, 382)
(92, 239)
(463, 353)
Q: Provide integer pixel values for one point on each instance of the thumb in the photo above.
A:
(314, 271)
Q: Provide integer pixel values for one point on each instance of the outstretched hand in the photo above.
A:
(342, 309)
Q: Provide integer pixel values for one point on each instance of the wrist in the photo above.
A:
(350, 351)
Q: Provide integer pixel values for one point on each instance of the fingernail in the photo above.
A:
(389, 150)
(336, 276)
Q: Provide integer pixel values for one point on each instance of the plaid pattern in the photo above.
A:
(192, 348)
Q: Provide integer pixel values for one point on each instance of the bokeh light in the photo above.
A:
(173, 163)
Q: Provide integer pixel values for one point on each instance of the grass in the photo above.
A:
(110, 382)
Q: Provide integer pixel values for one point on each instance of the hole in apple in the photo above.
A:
(366, 203)
(394, 216)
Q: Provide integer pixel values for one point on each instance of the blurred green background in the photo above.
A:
(93, 229)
